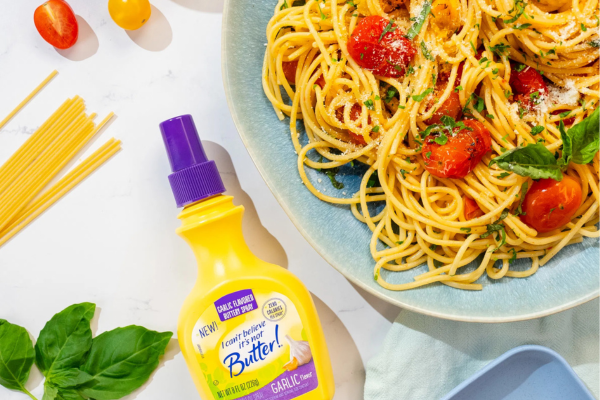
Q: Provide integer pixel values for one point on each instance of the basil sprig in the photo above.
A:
(77, 367)
(16, 356)
(580, 145)
(534, 161)
(581, 142)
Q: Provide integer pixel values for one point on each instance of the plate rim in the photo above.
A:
(352, 279)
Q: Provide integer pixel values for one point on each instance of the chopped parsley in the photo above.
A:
(420, 97)
(536, 130)
(458, 89)
(373, 180)
(519, 210)
(583, 27)
(564, 114)
(521, 67)
(391, 92)
(426, 51)
(331, 173)
(467, 230)
(375, 129)
(389, 28)
(521, 27)
(500, 49)
(433, 247)
(403, 172)
(369, 104)
(513, 258)
(503, 175)
(498, 228)
(441, 140)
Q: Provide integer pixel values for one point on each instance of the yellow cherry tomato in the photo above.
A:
(129, 14)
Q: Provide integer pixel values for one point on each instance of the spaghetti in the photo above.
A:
(477, 58)
(25, 188)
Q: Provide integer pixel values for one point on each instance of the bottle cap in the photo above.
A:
(194, 176)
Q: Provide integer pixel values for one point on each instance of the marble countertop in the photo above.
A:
(111, 241)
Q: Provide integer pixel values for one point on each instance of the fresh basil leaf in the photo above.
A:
(582, 141)
(69, 378)
(121, 360)
(50, 392)
(420, 97)
(16, 356)
(69, 394)
(430, 130)
(65, 340)
(534, 161)
(419, 21)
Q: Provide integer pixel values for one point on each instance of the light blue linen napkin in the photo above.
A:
(424, 358)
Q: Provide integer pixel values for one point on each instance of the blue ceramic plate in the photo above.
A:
(570, 279)
(524, 373)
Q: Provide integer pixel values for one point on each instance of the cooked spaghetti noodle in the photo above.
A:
(351, 114)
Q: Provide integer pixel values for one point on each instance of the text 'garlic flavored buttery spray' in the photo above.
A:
(249, 329)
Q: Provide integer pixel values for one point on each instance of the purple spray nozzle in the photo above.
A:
(194, 176)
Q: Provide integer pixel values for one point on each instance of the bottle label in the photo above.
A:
(252, 345)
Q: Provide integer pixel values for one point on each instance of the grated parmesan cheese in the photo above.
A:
(568, 95)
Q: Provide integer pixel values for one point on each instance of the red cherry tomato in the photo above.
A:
(463, 151)
(525, 83)
(549, 204)
(56, 23)
(472, 209)
(289, 70)
(355, 112)
(385, 54)
(451, 106)
(568, 121)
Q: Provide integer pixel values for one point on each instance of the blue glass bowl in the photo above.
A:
(571, 278)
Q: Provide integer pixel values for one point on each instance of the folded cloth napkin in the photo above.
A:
(424, 358)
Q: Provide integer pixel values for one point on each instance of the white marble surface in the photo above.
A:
(111, 241)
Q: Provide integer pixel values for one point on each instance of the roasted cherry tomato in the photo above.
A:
(472, 209)
(528, 86)
(129, 14)
(56, 23)
(289, 70)
(549, 204)
(463, 151)
(355, 112)
(451, 106)
(378, 45)
(568, 121)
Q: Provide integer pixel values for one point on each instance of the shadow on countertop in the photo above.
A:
(264, 245)
(155, 35)
(343, 352)
(86, 46)
(210, 6)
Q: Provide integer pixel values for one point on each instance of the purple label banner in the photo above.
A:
(289, 385)
(235, 304)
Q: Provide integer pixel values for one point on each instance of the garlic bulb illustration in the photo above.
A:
(300, 353)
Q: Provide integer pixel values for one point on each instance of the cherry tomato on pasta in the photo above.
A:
(129, 14)
(451, 106)
(549, 204)
(378, 45)
(528, 85)
(472, 209)
(289, 70)
(56, 23)
(460, 154)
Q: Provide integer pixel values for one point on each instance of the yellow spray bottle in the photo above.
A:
(249, 329)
